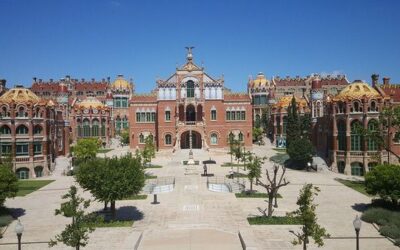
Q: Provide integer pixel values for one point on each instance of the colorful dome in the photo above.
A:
(90, 102)
(260, 81)
(121, 83)
(19, 95)
(357, 90)
(285, 101)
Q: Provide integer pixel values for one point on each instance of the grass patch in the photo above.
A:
(113, 223)
(152, 166)
(147, 176)
(237, 175)
(280, 150)
(274, 220)
(28, 186)
(136, 197)
(388, 221)
(280, 158)
(104, 150)
(359, 186)
(228, 164)
(253, 195)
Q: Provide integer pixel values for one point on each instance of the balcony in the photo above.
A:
(22, 159)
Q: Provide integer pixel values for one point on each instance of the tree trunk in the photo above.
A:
(105, 205)
(305, 242)
(77, 247)
(276, 199)
(113, 209)
(251, 185)
(270, 201)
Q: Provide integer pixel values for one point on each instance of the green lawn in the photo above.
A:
(279, 158)
(137, 197)
(28, 186)
(153, 166)
(228, 164)
(356, 185)
(280, 149)
(274, 220)
(147, 176)
(114, 223)
(253, 195)
(236, 175)
(104, 150)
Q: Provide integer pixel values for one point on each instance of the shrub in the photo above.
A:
(384, 180)
(391, 231)
(379, 216)
(5, 220)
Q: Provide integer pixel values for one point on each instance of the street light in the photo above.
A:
(357, 227)
(19, 229)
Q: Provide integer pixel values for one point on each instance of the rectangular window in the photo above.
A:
(148, 117)
(22, 149)
(153, 116)
(243, 115)
(37, 148)
(228, 115)
(237, 115)
(5, 148)
(168, 115)
(233, 115)
(138, 117)
(143, 117)
(213, 115)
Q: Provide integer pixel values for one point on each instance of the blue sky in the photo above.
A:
(146, 39)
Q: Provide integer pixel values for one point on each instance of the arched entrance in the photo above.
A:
(196, 140)
(190, 113)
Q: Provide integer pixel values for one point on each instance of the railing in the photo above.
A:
(356, 153)
(190, 122)
(218, 184)
(159, 185)
(38, 158)
(340, 153)
(373, 153)
(22, 159)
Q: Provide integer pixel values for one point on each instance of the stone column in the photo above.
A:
(347, 169)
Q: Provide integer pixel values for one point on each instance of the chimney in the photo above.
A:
(3, 82)
(386, 80)
(68, 78)
(108, 79)
(51, 80)
(375, 78)
(34, 79)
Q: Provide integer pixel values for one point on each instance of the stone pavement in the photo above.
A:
(192, 217)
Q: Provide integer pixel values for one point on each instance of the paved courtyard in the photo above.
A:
(192, 217)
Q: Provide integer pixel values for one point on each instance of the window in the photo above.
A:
(357, 169)
(240, 136)
(214, 139)
(5, 130)
(148, 117)
(37, 130)
(284, 124)
(118, 124)
(190, 89)
(103, 128)
(168, 115)
(141, 138)
(372, 127)
(21, 112)
(39, 171)
(22, 130)
(243, 115)
(355, 136)
(5, 148)
(341, 165)
(86, 128)
(95, 127)
(37, 148)
(341, 126)
(137, 117)
(228, 115)
(22, 148)
(125, 123)
(168, 139)
(231, 137)
(233, 115)
(213, 115)
(153, 116)
(22, 173)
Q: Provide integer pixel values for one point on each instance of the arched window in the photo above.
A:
(95, 127)
(125, 123)
(341, 108)
(168, 139)
(372, 107)
(284, 123)
(103, 127)
(258, 121)
(22, 173)
(79, 127)
(341, 165)
(231, 137)
(5, 130)
(4, 112)
(190, 89)
(214, 139)
(37, 130)
(357, 169)
(141, 138)
(341, 138)
(118, 124)
(372, 127)
(356, 107)
(150, 136)
(39, 171)
(356, 137)
(240, 136)
(21, 112)
(22, 129)
(372, 165)
(86, 128)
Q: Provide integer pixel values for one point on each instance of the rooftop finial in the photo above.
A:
(189, 53)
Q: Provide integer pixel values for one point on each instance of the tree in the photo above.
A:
(254, 167)
(272, 187)
(232, 146)
(8, 181)
(301, 151)
(308, 218)
(112, 179)
(75, 234)
(293, 129)
(265, 119)
(125, 136)
(384, 180)
(86, 148)
(149, 150)
(257, 134)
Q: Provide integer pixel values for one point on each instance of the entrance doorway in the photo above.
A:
(196, 140)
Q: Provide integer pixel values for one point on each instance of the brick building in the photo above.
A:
(190, 104)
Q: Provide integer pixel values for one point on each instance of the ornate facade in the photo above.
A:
(190, 109)
(33, 132)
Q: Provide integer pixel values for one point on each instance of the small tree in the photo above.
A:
(149, 150)
(257, 134)
(300, 151)
(232, 146)
(75, 234)
(272, 187)
(254, 167)
(86, 148)
(112, 179)
(8, 181)
(125, 136)
(384, 180)
(293, 129)
(308, 218)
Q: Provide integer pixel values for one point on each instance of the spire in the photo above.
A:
(189, 55)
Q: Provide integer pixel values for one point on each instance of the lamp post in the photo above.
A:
(357, 227)
(19, 229)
